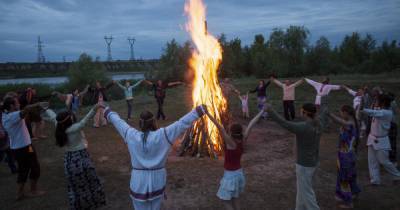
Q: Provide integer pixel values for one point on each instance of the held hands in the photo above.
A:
(201, 110)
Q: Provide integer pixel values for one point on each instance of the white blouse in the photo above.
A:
(76, 137)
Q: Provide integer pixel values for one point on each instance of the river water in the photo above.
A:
(54, 81)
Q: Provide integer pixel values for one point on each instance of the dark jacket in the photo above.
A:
(261, 91)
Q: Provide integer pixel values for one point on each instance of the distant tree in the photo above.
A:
(277, 53)
(319, 57)
(85, 71)
(173, 61)
(258, 56)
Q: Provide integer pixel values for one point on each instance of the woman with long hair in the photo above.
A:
(233, 181)
(346, 182)
(85, 191)
(308, 134)
(73, 100)
(149, 148)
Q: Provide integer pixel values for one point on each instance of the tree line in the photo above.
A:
(289, 53)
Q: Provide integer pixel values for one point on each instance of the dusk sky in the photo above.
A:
(71, 27)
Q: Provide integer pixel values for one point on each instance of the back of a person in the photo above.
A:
(76, 141)
(233, 157)
(308, 141)
(151, 153)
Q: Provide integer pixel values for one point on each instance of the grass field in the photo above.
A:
(268, 161)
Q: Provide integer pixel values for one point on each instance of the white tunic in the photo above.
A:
(322, 89)
(148, 176)
(378, 137)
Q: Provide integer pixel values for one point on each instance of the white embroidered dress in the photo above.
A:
(148, 176)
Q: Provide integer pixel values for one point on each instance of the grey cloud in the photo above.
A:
(70, 27)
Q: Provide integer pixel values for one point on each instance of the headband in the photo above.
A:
(152, 118)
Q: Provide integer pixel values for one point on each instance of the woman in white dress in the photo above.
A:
(149, 148)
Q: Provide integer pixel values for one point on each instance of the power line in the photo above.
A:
(40, 56)
(131, 41)
(108, 41)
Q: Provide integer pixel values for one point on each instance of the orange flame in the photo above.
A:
(204, 62)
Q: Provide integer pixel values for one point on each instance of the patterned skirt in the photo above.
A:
(85, 190)
(346, 183)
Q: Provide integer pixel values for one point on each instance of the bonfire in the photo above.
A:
(203, 137)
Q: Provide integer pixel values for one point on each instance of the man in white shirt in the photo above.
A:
(323, 89)
(378, 141)
(20, 143)
(288, 96)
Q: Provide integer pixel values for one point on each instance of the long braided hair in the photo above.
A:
(147, 123)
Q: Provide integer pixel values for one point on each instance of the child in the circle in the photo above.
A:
(245, 105)
(233, 181)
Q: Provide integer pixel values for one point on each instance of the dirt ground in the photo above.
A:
(268, 163)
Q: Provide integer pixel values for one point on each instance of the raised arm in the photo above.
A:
(349, 90)
(81, 124)
(294, 127)
(277, 82)
(373, 113)
(334, 87)
(313, 83)
(177, 128)
(171, 84)
(225, 135)
(59, 95)
(136, 84)
(251, 125)
(147, 82)
(299, 82)
(267, 84)
(339, 120)
(120, 125)
(84, 91)
(120, 85)
(255, 90)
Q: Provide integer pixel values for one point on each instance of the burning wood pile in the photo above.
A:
(203, 138)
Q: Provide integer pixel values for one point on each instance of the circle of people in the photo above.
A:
(372, 115)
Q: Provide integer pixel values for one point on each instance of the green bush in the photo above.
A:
(86, 71)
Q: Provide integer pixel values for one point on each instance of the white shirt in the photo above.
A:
(76, 137)
(357, 99)
(149, 155)
(378, 137)
(16, 128)
(322, 89)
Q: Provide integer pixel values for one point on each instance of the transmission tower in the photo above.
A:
(40, 56)
(108, 41)
(131, 41)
